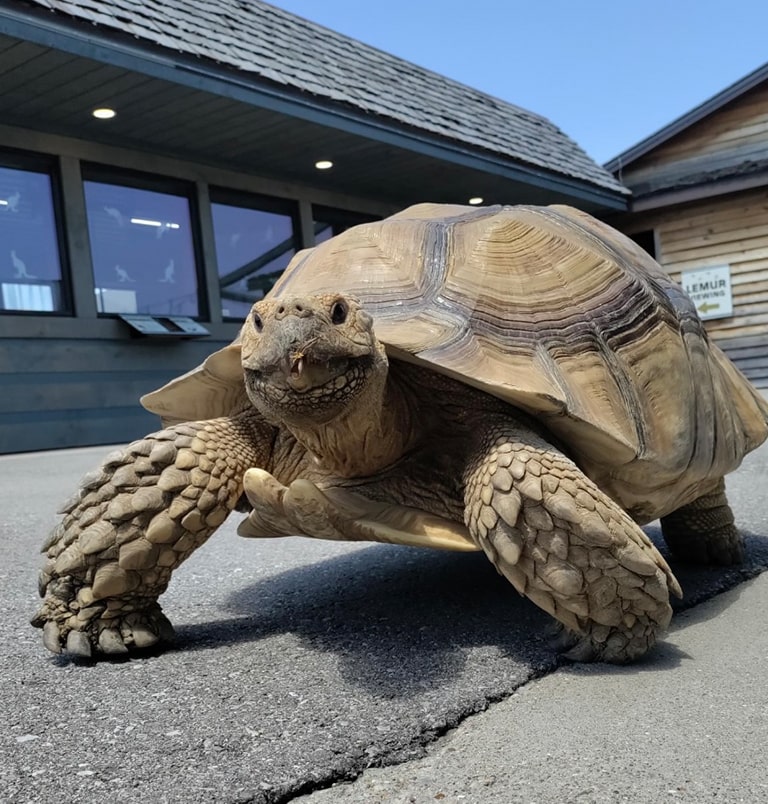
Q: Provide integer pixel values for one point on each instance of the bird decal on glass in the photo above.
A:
(116, 215)
(20, 267)
(12, 202)
(168, 274)
(122, 275)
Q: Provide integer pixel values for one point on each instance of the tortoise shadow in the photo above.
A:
(399, 620)
(402, 620)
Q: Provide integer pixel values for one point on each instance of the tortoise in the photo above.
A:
(520, 380)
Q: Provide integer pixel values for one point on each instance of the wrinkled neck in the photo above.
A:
(372, 434)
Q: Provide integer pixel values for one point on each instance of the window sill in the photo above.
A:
(108, 329)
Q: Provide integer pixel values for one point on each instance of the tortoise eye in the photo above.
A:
(257, 322)
(339, 312)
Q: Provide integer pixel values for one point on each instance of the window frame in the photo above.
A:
(48, 165)
(259, 202)
(338, 217)
(155, 183)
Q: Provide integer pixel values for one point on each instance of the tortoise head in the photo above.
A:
(307, 360)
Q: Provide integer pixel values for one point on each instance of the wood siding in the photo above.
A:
(731, 230)
(734, 140)
(67, 393)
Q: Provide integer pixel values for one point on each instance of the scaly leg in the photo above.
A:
(703, 532)
(131, 523)
(565, 545)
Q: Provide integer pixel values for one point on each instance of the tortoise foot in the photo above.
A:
(617, 645)
(703, 532)
(112, 628)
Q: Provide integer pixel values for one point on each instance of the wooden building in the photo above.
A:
(700, 204)
(132, 241)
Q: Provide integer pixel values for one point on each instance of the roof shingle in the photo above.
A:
(276, 47)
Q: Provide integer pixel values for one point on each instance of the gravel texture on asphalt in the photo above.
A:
(298, 663)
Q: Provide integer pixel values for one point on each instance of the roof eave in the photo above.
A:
(675, 196)
(55, 33)
(683, 122)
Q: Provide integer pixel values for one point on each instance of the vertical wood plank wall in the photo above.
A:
(736, 135)
(729, 230)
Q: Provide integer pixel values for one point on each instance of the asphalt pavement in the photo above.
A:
(323, 672)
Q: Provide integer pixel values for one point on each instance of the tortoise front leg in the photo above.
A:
(132, 522)
(567, 546)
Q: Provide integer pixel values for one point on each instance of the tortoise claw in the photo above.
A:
(582, 651)
(144, 637)
(78, 644)
(165, 631)
(43, 579)
(569, 645)
(51, 637)
(111, 643)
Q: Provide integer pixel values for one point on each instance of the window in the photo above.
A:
(646, 240)
(30, 256)
(329, 222)
(255, 240)
(142, 248)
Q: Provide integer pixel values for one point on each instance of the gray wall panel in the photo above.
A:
(74, 428)
(78, 393)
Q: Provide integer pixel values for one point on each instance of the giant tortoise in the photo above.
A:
(520, 380)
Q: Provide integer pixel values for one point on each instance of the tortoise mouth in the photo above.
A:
(302, 385)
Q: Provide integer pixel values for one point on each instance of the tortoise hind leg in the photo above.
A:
(565, 545)
(703, 532)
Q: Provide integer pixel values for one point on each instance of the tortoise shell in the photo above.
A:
(544, 307)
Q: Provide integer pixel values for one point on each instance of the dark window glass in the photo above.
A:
(142, 249)
(646, 241)
(253, 247)
(328, 222)
(30, 263)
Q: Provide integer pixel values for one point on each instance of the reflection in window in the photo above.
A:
(142, 251)
(253, 247)
(30, 265)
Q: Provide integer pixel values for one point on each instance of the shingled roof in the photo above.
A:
(276, 48)
(709, 107)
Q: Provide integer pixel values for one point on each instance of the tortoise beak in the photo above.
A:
(301, 373)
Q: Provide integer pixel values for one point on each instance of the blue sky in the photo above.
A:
(607, 72)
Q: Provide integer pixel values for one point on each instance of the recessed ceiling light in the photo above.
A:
(324, 164)
(476, 200)
(104, 113)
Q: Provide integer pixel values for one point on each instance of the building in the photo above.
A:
(700, 205)
(131, 244)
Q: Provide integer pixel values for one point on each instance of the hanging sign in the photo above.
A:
(710, 290)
